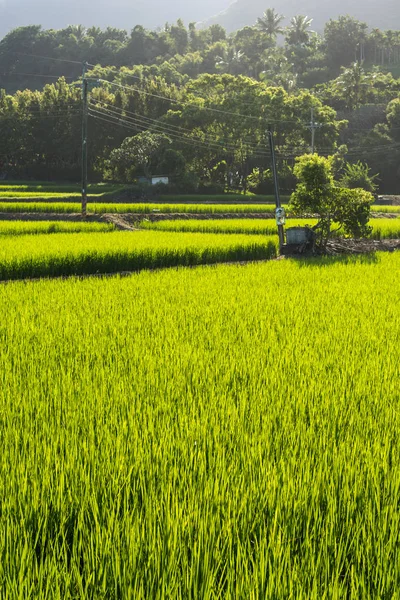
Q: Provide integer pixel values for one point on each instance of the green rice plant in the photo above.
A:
(219, 198)
(88, 253)
(382, 228)
(18, 196)
(386, 208)
(12, 228)
(385, 228)
(139, 208)
(249, 226)
(221, 432)
(48, 186)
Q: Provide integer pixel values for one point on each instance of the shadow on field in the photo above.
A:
(328, 261)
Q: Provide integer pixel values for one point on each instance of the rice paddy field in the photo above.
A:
(218, 432)
(101, 252)
(138, 208)
(225, 431)
(60, 206)
(16, 228)
(46, 188)
(382, 228)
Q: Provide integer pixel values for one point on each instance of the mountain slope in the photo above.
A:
(385, 14)
(123, 14)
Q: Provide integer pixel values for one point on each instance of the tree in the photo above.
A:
(344, 39)
(357, 175)
(353, 85)
(393, 117)
(233, 62)
(270, 23)
(317, 193)
(298, 32)
(138, 155)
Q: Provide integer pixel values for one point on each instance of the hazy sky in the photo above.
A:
(117, 13)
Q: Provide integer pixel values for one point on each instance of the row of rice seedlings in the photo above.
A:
(47, 186)
(88, 253)
(249, 226)
(382, 228)
(219, 198)
(385, 228)
(225, 432)
(17, 196)
(387, 208)
(139, 208)
(12, 228)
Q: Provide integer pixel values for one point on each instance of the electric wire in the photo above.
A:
(165, 127)
(190, 141)
(180, 137)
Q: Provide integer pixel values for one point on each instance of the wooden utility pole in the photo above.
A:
(84, 139)
(313, 126)
(280, 212)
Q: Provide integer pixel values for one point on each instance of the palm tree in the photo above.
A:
(233, 62)
(298, 32)
(353, 85)
(270, 23)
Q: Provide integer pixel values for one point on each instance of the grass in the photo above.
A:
(225, 432)
(13, 228)
(88, 253)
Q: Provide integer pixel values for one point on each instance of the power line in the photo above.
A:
(64, 60)
(37, 75)
(165, 127)
(176, 135)
(187, 103)
(190, 141)
(143, 127)
(176, 132)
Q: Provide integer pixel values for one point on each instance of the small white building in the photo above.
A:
(155, 180)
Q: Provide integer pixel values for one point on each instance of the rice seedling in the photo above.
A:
(138, 208)
(382, 228)
(12, 228)
(48, 186)
(390, 208)
(249, 226)
(88, 253)
(222, 432)
(385, 228)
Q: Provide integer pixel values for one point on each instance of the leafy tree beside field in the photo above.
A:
(337, 208)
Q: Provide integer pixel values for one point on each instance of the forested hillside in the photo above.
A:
(57, 14)
(385, 15)
(195, 104)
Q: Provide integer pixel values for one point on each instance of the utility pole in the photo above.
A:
(280, 212)
(313, 126)
(84, 139)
